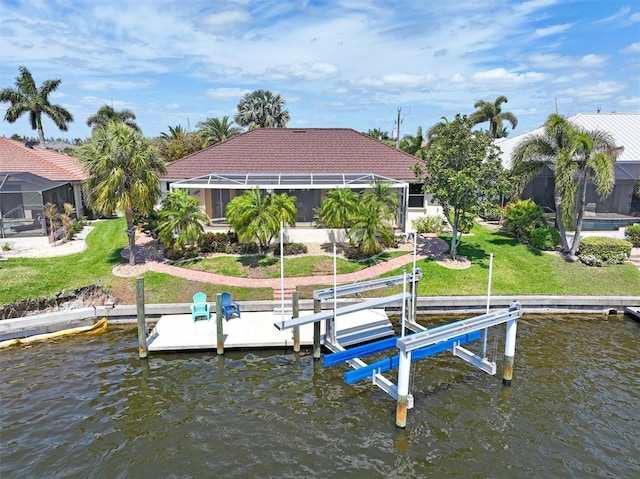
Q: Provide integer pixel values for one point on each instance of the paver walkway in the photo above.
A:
(432, 247)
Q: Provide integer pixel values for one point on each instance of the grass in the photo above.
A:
(517, 269)
(262, 266)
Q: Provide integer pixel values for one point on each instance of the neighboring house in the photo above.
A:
(622, 203)
(302, 162)
(30, 177)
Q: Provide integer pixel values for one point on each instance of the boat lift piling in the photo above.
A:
(446, 332)
(143, 350)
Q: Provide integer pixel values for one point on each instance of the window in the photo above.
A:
(416, 195)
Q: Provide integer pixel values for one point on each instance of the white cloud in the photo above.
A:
(633, 48)
(635, 18)
(502, 76)
(594, 91)
(632, 101)
(556, 61)
(302, 71)
(551, 30)
(225, 93)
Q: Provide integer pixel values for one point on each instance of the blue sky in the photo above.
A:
(348, 63)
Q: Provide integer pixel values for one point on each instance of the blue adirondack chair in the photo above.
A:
(200, 307)
(229, 307)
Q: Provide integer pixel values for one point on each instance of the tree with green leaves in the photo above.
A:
(216, 130)
(178, 143)
(256, 215)
(578, 157)
(414, 145)
(492, 112)
(28, 98)
(107, 113)
(181, 221)
(338, 208)
(366, 218)
(462, 171)
(378, 134)
(262, 109)
(124, 171)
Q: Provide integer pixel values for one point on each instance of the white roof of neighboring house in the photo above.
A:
(625, 128)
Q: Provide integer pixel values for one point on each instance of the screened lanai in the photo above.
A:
(22, 200)
(215, 190)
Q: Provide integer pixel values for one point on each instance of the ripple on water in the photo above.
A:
(87, 407)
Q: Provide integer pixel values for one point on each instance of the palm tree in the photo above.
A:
(256, 216)
(181, 215)
(385, 198)
(577, 156)
(261, 109)
(107, 113)
(492, 112)
(51, 213)
(370, 228)
(414, 145)
(216, 130)
(26, 97)
(175, 133)
(124, 173)
(338, 208)
(591, 161)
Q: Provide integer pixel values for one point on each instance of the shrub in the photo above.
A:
(522, 217)
(216, 242)
(546, 239)
(607, 250)
(632, 234)
(172, 253)
(429, 224)
(290, 249)
(242, 248)
(590, 260)
(6, 246)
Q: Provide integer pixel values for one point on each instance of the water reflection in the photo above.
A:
(88, 407)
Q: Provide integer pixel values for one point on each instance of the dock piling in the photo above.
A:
(404, 371)
(317, 307)
(142, 324)
(509, 351)
(219, 332)
(295, 300)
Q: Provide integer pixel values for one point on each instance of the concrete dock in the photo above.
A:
(178, 332)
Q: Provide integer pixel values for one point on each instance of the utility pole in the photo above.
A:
(398, 130)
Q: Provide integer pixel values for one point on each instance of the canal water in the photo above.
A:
(87, 407)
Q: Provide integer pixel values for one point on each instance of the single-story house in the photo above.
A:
(302, 162)
(623, 205)
(30, 177)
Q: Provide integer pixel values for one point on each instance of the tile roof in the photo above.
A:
(625, 128)
(15, 157)
(296, 150)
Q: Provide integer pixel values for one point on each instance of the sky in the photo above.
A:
(347, 63)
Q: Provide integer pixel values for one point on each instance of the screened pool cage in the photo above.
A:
(22, 200)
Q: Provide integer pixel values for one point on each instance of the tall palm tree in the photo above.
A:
(181, 215)
(27, 98)
(216, 130)
(492, 112)
(577, 156)
(261, 109)
(592, 160)
(107, 113)
(124, 174)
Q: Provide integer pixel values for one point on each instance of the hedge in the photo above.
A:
(632, 234)
(594, 249)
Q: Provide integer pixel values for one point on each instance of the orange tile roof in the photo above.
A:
(15, 157)
(297, 150)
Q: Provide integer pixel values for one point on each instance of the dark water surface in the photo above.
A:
(87, 407)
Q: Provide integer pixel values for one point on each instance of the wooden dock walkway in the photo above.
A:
(178, 332)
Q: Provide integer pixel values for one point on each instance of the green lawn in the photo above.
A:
(517, 269)
(263, 266)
